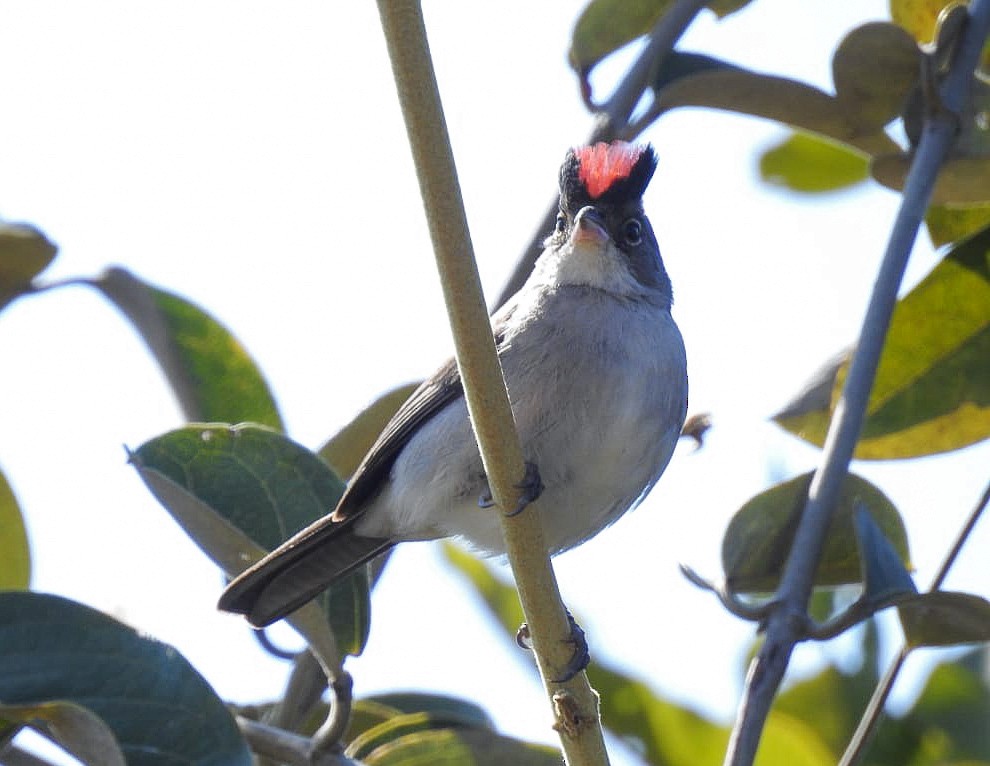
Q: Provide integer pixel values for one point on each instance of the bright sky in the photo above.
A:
(251, 156)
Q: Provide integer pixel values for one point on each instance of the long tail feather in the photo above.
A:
(299, 571)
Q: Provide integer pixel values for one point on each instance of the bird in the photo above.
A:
(596, 374)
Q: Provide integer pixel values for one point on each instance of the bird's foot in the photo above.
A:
(531, 486)
(579, 660)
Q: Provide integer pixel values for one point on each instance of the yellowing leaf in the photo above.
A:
(918, 16)
(932, 389)
(15, 553)
(211, 373)
(805, 163)
(24, 253)
(951, 223)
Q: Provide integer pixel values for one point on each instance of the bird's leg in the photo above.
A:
(531, 486)
(579, 660)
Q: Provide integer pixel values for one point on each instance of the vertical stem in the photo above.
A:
(484, 387)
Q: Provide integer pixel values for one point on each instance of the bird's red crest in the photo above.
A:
(601, 164)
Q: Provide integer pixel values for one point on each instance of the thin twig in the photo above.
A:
(613, 121)
(752, 612)
(783, 629)
(964, 534)
(662, 39)
(331, 731)
(873, 714)
(285, 746)
(484, 388)
(303, 691)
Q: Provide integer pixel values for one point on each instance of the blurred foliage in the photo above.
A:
(241, 490)
(58, 651)
(15, 555)
(813, 720)
(24, 253)
(804, 163)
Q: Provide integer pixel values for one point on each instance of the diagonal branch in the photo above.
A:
(785, 625)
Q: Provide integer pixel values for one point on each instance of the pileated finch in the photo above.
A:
(596, 374)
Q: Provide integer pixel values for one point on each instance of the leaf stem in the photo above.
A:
(285, 746)
(783, 627)
(487, 400)
(873, 714)
(663, 37)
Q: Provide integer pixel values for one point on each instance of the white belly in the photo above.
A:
(598, 405)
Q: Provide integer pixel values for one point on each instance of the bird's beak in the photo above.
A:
(589, 228)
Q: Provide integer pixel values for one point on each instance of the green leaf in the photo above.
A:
(775, 98)
(449, 747)
(875, 68)
(15, 551)
(24, 253)
(345, 451)
(664, 732)
(240, 492)
(944, 618)
(365, 714)
(829, 702)
(680, 64)
(443, 707)
(961, 181)
(260, 481)
(501, 599)
(604, 26)
(951, 223)
(75, 729)
(759, 536)
(805, 163)
(791, 741)
(953, 711)
(211, 374)
(158, 707)
(446, 717)
(932, 390)
(885, 579)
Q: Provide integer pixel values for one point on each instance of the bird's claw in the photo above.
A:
(531, 486)
(579, 660)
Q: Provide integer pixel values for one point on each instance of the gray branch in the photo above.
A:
(785, 625)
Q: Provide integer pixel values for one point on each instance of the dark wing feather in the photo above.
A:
(327, 550)
(433, 395)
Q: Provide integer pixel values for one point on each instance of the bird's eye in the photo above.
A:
(632, 232)
(561, 223)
